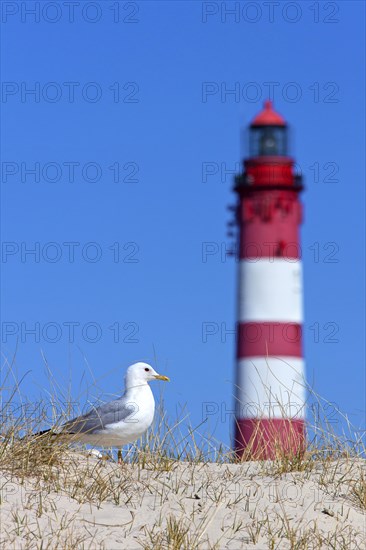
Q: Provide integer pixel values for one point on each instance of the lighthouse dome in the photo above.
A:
(268, 116)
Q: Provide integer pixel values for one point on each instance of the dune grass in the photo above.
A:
(178, 488)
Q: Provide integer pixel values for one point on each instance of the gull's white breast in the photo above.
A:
(140, 401)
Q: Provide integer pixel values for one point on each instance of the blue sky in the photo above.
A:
(130, 103)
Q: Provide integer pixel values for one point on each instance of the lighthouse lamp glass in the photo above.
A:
(268, 141)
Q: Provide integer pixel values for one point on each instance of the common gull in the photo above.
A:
(120, 421)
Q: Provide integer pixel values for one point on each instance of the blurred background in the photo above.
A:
(123, 126)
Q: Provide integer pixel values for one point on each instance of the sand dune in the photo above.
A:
(89, 503)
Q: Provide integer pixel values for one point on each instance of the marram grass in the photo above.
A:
(177, 488)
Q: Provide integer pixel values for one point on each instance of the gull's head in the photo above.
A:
(141, 373)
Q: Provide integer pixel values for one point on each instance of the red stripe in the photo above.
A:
(269, 226)
(266, 439)
(271, 338)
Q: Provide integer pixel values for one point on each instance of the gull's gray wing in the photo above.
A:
(99, 417)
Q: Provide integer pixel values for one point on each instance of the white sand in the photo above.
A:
(233, 506)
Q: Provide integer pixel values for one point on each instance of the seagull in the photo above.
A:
(120, 421)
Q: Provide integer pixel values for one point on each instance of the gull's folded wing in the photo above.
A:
(100, 417)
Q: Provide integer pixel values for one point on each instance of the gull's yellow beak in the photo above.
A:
(161, 377)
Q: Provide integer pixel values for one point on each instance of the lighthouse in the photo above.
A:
(270, 378)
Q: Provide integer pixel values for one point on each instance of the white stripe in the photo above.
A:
(270, 387)
(270, 290)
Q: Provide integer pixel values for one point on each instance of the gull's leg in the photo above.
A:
(119, 456)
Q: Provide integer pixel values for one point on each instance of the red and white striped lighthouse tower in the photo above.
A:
(270, 392)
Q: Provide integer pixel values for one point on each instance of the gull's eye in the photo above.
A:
(147, 370)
